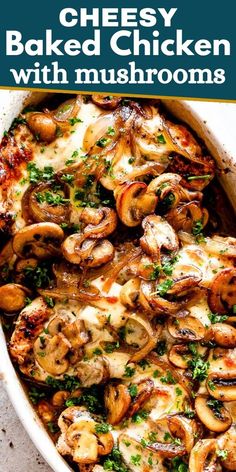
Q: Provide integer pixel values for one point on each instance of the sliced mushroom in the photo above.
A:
(50, 353)
(203, 456)
(156, 304)
(144, 392)
(38, 211)
(179, 355)
(76, 333)
(117, 402)
(40, 240)
(222, 296)
(129, 292)
(133, 202)
(109, 102)
(222, 385)
(94, 371)
(222, 334)
(81, 437)
(158, 235)
(59, 398)
(89, 252)
(184, 429)
(13, 297)
(213, 414)
(42, 126)
(186, 329)
(186, 216)
(227, 442)
(103, 252)
(141, 335)
(100, 223)
(168, 184)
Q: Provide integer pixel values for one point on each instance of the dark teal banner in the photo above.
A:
(161, 48)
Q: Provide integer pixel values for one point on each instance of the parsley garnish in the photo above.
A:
(102, 428)
(161, 139)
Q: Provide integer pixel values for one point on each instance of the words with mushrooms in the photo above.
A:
(118, 285)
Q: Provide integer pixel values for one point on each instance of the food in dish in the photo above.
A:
(118, 272)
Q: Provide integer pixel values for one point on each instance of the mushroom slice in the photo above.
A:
(133, 202)
(213, 414)
(203, 456)
(222, 334)
(141, 335)
(108, 102)
(40, 240)
(186, 329)
(40, 211)
(158, 234)
(42, 126)
(76, 334)
(117, 402)
(100, 223)
(144, 392)
(184, 429)
(68, 248)
(50, 353)
(12, 297)
(222, 296)
(227, 442)
(129, 292)
(222, 385)
(94, 371)
(155, 304)
(92, 253)
(185, 217)
(84, 440)
(179, 355)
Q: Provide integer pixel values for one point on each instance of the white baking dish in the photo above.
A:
(214, 123)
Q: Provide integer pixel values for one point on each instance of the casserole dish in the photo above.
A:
(195, 115)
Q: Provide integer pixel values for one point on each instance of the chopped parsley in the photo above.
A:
(110, 131)
(163, 287)
(68, 178)
(215, 318)
(102, 428)
(133, 390)
(161, 139)
(136, 460)
(216, 406)
(161, 348)
(103, 142)
(51, 199)
(222, 454)
(68, 383)
(49, 301)
(53, 427)
(36, 395)
(199, 368)
(73, 121)
(113, 461)
(197, 227)
(37, 175)
(129, 371)
(140, 416)
(37, 277)
(168, 378)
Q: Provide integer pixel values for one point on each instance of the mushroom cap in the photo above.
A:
(37, 240)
